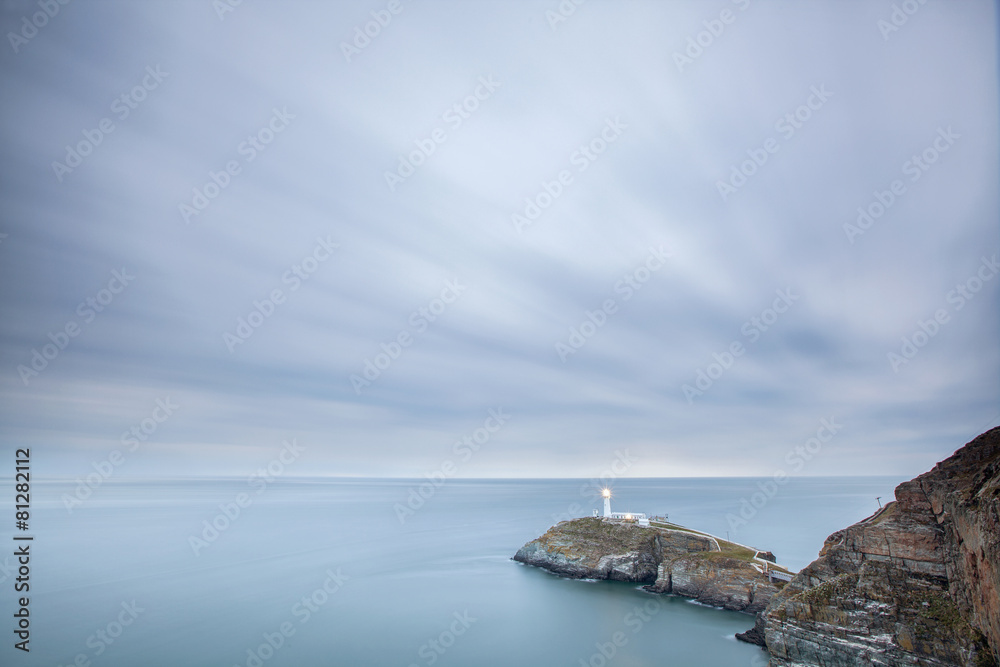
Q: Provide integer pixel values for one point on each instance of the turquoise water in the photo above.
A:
(323, 572)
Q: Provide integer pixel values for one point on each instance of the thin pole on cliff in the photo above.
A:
(879, 499)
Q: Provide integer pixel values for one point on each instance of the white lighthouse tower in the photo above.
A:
(630, 517)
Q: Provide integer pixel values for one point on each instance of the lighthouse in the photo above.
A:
(629, 517)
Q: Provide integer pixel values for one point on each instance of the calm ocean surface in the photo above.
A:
(117, 582)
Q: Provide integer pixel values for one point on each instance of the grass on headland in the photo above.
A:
(726, 549)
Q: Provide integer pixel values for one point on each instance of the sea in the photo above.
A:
(321, 572)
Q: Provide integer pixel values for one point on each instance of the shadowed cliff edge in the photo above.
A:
(916, 583)
(667, 557)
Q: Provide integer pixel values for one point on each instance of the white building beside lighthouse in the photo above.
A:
(637, 517)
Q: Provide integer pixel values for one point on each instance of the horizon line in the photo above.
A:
(55, 478)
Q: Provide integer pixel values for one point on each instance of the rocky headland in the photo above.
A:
(669, 559)
(914, 584)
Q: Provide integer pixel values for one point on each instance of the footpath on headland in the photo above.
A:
(762, 565)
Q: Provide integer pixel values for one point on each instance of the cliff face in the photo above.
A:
(670, 561)
(715, 579)
(914, 584)
(592, 549)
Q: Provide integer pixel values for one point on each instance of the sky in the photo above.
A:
(498, 239)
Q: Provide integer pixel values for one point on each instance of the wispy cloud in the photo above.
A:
(205, 128)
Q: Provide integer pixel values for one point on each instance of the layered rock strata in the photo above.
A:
(914, 584)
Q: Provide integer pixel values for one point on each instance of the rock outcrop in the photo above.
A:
(716, 579)
(593, 549)
(914, 584)
(669, 561)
